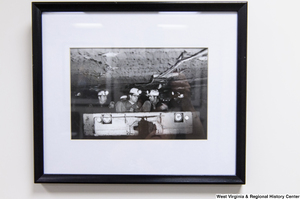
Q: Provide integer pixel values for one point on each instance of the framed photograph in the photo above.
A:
(139, 92)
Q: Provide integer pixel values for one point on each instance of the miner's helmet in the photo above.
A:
(153, 93)
(135, 91)
(103, 92)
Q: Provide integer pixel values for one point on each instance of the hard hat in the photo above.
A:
(153, 93)
(123, 97)
(135, 91)
(103, 93)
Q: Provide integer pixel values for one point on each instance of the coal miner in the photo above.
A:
(153, 104)
(102, 98)
(131, 104)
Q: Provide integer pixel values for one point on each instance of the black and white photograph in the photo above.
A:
(158, 100)
(139, 93)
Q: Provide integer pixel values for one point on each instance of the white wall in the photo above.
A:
(273, 111)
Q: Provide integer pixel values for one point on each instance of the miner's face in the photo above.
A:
(152, 98)
(102, 99)
(133, 98)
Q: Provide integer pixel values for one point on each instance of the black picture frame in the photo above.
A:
(38, 8)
